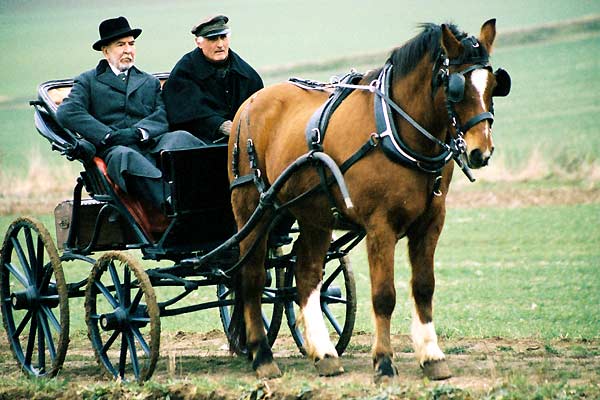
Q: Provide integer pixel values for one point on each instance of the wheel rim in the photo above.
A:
(338, 304)
(272, 310)
(123, 318)
(34, 298)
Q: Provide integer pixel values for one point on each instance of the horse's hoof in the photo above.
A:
(329, 366)
(268, 371)
(436, 370)
(385, 371)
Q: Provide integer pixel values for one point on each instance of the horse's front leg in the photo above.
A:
(311, 248)
(380, 248)
(422, 242)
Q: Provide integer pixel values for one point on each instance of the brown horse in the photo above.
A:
(398, 185)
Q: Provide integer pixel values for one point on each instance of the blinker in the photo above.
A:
(502, 83)
(456, 87)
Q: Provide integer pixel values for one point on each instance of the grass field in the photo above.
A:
(513, 273)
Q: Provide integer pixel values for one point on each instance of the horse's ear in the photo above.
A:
(488, 34)
(451, 45)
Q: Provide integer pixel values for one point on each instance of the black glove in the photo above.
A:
(123, 137)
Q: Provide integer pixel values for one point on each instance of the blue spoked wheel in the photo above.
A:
(338, 303)
(34, 298)
(123, 317)
(272, 309)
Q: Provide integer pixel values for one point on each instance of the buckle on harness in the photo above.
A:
(461, 145)
(374, 139)
(436, 186)
(251, 153)
(316, 139)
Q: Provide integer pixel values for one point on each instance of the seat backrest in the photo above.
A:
(58, 94)
(152, 221)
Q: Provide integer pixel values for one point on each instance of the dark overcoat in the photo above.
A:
(198, 102)
(100, 102)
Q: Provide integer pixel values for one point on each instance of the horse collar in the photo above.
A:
(393, 145)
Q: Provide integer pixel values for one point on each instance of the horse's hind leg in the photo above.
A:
(311, 248)
(421, 246)
(249, 285)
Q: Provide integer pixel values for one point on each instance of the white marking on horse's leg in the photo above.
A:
(424, 340)
(316, 335)
(479, 80)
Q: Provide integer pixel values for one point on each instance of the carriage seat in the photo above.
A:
(152, 221)
(51, 95)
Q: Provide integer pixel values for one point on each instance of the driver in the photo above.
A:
(208, 85)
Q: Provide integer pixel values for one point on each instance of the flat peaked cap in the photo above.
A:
(212, 26)
(113, 29)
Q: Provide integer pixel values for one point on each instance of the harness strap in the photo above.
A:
(241, 180)
(477, 119)
(317, 127)
(318, 122)
(386, 76)
(361, 152)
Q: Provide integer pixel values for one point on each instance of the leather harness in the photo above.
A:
(387, 134)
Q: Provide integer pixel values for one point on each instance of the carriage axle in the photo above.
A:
(31, 298)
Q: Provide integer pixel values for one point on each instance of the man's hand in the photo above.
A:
(123, 137)
(225, 128)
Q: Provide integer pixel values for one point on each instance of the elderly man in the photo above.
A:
(120, 110)
(208, 85)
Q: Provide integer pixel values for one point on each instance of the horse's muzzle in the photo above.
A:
(478, 159)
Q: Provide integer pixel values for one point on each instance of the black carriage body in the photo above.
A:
(200, 218)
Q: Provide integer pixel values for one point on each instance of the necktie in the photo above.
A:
(122, 76)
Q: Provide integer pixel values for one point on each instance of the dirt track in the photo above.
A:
(480, 367)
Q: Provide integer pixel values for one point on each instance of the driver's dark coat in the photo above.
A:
(198, 102)
(100, 102)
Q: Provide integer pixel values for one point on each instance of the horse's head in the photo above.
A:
(470, 84)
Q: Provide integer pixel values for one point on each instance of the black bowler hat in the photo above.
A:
(113, 29)
(212, 26)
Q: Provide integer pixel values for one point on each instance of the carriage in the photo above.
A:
(125, 298)
(388, 137)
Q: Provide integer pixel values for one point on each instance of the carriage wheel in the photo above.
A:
(123, 317)
(338, 303)
(272, 310)
(34, 298)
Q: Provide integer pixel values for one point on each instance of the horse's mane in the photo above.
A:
(406, 57)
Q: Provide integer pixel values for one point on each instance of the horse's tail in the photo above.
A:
(236, 333)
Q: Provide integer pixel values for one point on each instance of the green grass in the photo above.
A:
(525, 272)
(512, 273)
(515, 387)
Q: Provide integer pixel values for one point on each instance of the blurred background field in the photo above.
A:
(547, 127)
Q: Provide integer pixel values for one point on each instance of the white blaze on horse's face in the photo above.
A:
(483, 143)
(315, 333)
(479, 80)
